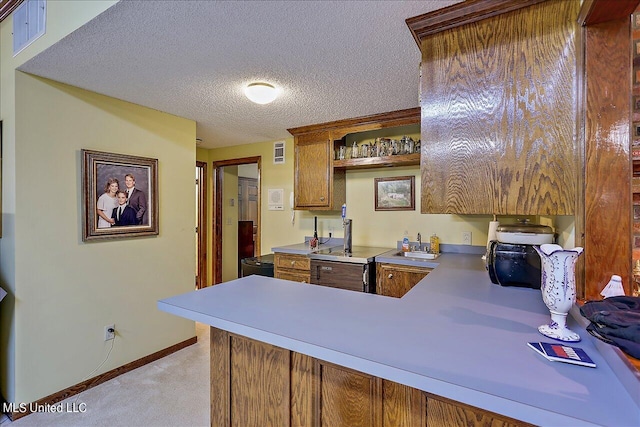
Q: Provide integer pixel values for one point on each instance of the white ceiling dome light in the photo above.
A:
(261, 93)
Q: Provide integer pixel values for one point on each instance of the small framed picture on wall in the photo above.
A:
(395, 194)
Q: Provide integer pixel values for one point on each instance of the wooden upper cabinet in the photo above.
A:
(314, 175)
(320, 183)
(499, 101)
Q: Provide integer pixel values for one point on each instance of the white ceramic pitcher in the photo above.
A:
(558, 286)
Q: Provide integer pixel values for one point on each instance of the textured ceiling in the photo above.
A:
(331, 59)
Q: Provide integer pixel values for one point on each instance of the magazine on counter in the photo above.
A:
(556, 352)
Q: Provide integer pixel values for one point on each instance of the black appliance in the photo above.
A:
(511, 264)
(355, 271)
(259, 265)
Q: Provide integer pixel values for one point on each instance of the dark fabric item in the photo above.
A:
(615, 320)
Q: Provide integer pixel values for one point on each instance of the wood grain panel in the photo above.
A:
(607, 178)
(260, 394)
(339, 128)
(349, 398)
(377, 162)
(445, 413)
(293, 275)
(393, 280)
(220, 378)
(599, 11)
(403, 406)
(292, 261)
(460, 14)
(313, 170)
(258, 384)
(498, 114)
(304, 385)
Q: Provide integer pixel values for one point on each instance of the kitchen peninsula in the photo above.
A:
(453, 348)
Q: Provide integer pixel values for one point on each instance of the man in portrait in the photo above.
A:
(137, 200)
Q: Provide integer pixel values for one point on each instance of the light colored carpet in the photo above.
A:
(172, 391)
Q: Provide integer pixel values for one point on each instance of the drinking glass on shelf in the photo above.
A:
(364, 150)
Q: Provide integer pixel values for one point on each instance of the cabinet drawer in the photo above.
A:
(293, 262)
(293, 275)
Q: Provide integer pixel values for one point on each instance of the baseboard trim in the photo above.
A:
(99, 379)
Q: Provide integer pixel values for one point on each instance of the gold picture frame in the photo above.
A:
(100, 172)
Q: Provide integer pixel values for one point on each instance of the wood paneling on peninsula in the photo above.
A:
(498, 100)
(258, 384)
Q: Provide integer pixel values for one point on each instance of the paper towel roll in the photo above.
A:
(492, 235)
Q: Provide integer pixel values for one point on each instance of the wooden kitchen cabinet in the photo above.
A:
(292, 267)
(500, 139)
(319, 180)
(316, 185)
(395, 280)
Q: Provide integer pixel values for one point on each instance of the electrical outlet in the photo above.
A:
(466, 237)
(109, 332)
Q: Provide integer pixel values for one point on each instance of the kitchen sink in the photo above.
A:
(419, 254)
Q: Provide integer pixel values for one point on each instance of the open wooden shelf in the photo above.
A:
(377, 162)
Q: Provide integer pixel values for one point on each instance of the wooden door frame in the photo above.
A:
(202, 278)
(217, 210)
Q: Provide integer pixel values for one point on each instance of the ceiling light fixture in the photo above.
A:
(261, 93)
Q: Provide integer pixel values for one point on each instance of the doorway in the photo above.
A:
(201, 225)
(234, 195)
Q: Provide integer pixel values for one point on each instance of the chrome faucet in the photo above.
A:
(419, 242)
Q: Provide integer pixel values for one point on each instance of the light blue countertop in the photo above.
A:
(455, 334)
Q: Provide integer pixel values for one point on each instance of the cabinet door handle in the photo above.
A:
(390, 276)
(322, 198)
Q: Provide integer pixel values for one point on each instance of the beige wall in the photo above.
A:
(65, 290)
(62, 18)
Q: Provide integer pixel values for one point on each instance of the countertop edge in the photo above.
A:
(479, 399)
(626, 373)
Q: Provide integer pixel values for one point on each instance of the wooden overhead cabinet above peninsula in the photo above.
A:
(319, 180)
(499, 108)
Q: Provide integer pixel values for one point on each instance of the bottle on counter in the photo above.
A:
(405, 242)
(435, 244)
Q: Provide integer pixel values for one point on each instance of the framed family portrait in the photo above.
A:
(395, 194)
(119, 196)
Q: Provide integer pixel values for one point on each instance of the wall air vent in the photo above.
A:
(29, 22)
(278, 153)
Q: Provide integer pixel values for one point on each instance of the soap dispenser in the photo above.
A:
(405, 242)
(435, 244)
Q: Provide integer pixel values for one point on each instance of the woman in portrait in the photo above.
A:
(107, 202)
